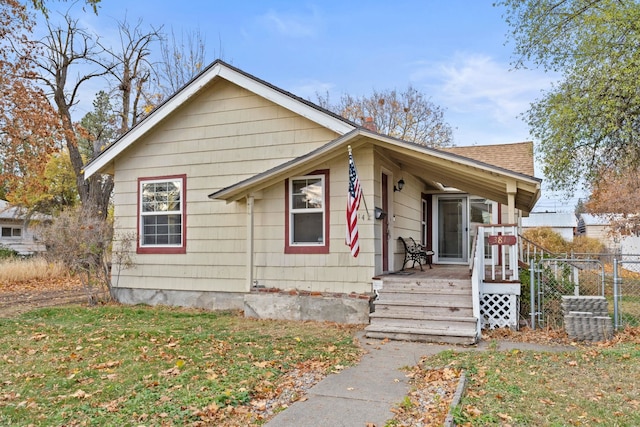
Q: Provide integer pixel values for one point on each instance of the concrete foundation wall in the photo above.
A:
(261, 306)
(196, 299)
(303, 307)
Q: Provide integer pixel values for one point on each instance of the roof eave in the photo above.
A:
(241, 189)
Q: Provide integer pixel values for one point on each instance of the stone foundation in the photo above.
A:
(297, 305)
(196, 299)
(263, 304)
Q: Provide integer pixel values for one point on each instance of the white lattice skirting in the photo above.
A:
(499, 310)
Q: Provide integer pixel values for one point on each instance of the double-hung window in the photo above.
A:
(162, 219)
(11, 232)
(307, 210)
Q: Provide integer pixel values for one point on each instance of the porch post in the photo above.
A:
(249, 255)
(512, 189)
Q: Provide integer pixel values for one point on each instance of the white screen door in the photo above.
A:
(452, 229)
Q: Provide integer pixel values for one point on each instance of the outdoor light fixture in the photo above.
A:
(400, 186)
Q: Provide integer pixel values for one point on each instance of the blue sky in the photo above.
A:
(455, 51)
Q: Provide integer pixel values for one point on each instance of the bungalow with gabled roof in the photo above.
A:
(237, 193)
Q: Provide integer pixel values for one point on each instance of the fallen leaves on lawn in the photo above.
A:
(107, 365)
(268, 398)
(37, 286)
(547, 336)
(430, 398)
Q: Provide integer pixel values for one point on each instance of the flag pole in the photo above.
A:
(366, 208)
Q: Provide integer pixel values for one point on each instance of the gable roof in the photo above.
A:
(9, 211)
(517, 156)
(428, 164)
(471, 169)
(598, 219)
(219, 70)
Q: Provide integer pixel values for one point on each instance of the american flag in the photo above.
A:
(353, 202)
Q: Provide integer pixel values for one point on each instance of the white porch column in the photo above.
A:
(512, 189)
(249, 256)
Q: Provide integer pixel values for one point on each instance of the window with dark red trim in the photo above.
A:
(307, 213)
(162, 221)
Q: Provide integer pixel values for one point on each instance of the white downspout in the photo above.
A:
(250, 239)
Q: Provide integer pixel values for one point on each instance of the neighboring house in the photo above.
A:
(562, 223)
(598, 227)
(16, 234)
(234, 185)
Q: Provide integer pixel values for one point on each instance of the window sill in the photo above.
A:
(162, 250)
(299, 249)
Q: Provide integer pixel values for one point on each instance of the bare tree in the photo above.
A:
(182, 59)
(70, 49)
(132, 71)
(408, 115)
(67, 48)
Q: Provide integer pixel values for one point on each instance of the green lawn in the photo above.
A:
(116, 365)
(592, 386)
(130, 366)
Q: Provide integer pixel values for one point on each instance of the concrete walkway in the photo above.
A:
(365, 393)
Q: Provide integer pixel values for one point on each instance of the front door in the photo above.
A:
(452, 230)
(385, 223)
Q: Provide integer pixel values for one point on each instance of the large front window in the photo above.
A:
(482, 212)
(161, 214)
(307, 218)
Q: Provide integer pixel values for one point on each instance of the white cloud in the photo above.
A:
(295, 25)
(472, 83)
(483, 98)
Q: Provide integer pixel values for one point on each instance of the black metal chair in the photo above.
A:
(415, 253)
(426, 254)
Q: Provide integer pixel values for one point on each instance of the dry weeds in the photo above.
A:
(24, 270)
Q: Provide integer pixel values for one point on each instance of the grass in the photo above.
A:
(115, 365)
(589, 386)
(22, 270)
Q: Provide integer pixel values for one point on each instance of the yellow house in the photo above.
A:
(234, 186)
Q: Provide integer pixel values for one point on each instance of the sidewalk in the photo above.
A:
(365, 393)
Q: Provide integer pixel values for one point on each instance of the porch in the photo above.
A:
(451, 303)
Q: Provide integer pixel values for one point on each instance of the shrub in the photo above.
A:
(7, 252)
(80, 239)
(587, 245)
(548, 239)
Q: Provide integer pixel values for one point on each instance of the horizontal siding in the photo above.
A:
(405, 211)
(183, 284)
(337, 271)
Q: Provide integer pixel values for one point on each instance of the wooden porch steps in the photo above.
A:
(426, 310)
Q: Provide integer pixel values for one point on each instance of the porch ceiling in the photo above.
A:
(470, 178)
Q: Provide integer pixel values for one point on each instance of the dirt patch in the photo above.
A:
(20, 297)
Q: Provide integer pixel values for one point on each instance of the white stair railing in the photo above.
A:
(495, 276)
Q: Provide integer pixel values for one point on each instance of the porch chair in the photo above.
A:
(427, 255)
(415, 252)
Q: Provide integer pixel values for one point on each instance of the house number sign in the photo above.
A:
(508, 240)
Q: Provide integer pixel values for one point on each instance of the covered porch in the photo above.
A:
(452, 303)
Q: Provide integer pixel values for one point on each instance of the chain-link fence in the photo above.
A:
(549, 279)
(627, 290)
